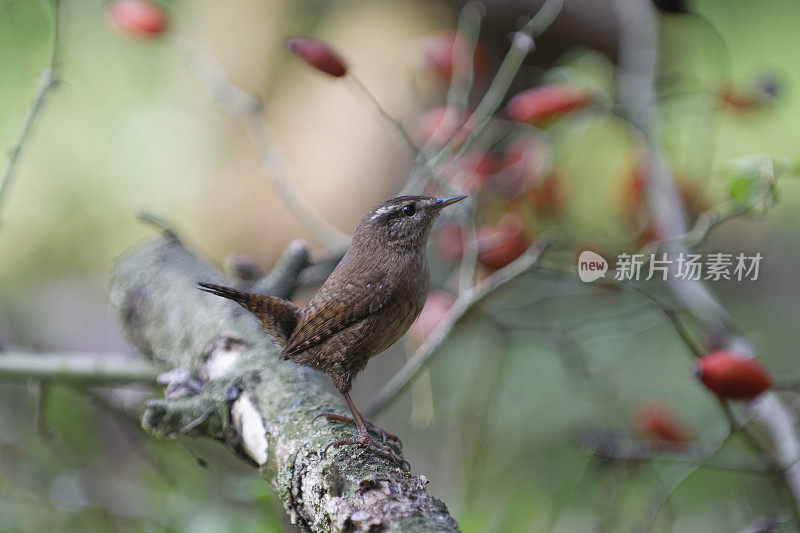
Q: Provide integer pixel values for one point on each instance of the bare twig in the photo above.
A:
(461, 80)
(466, 301)
(679, 482)
(469, 257)
(47, 81)
(248, 110)
(260, 407)
(636, 78)
(75, 367)
(633, 450)
(522, 44)
(462, 76)
(396, 124)
(672, 314)
(167, 230)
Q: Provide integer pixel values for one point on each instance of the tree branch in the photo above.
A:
(248, 110)
(638, 58)
(229, 384)
(92, 368)
(466, 300)
(47, 81)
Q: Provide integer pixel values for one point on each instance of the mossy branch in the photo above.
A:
(225, 381)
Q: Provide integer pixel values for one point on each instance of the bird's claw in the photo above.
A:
(382, 433)
(367, 441)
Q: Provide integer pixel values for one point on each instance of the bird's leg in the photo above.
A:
(364, 438)
(382, 433)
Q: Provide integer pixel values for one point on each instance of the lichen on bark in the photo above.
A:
(215, 353)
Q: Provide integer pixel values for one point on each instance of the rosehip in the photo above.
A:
(523, 166)
(436, 306)
(448, 241)
(137, 18)
(729, 375)
(446, 49)
(633, 195)
(659, 422)
(761, 94)
(540, 103)
(474, 169)
(318, 54)
(548, 196)
(646, 236)
(634, 190)
(501, 244)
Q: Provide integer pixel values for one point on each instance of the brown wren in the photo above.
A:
(367, 303)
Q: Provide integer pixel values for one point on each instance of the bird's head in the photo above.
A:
(405, 221)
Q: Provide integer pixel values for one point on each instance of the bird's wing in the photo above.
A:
(338, 306)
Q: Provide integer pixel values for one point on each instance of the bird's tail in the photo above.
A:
(278, 317)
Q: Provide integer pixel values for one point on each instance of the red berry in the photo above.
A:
(734, 376)
(523, 165)
(439, 125)
(137, 18)
(448, 241)
(758, 95)
(540, 103)
(659, 422)
(436, 306)
(446, 49)
(648, 234)
(547, 197)
(472, 170)
(318, 54)
(633, 200)
(634, 189)
(501, 244)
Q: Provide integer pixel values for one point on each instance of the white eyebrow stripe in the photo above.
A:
(382, 211)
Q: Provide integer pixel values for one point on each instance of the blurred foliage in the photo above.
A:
(540, 364)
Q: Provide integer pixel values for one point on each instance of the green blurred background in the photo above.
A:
(130, 129)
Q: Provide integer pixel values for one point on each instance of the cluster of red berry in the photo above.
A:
(516, 187)
(729, 375)
(517, 179)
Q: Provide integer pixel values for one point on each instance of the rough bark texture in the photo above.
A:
(225, 381)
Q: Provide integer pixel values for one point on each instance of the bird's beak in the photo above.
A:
(444, 202)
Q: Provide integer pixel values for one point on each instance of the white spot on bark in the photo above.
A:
(248, 422)
(221, 362)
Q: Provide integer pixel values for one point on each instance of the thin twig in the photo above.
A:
(668, 494)
(638, 59)
(396, 124)
(522, 44)
(672, 314)
(465, 302)
(248, 110)
(701, 460)
(461, 80)
(75, 367)
(469, 257)
(47, 81)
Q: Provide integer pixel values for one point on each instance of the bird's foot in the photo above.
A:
(368, 442)
(382, 433)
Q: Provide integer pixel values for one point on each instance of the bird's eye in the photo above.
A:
(409, 210)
